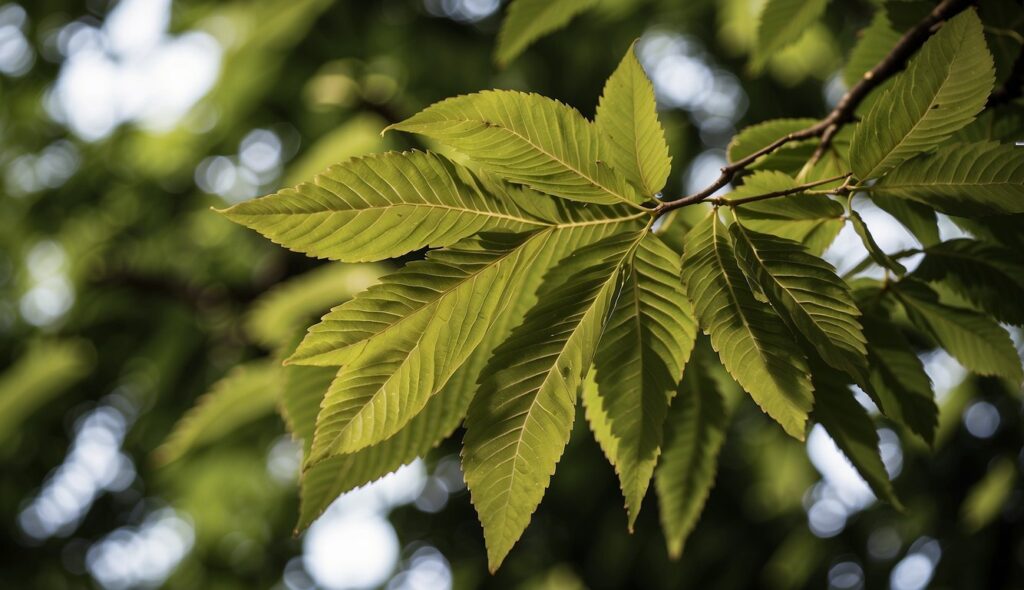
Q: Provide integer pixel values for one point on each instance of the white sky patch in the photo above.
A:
(131, 71)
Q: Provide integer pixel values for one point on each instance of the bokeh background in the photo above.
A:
(123, 297)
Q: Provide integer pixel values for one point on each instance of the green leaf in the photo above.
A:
(849, 425)
(627, 118)
(989, 276)
(519, 422)
(753, 342)
(444, 412)
(874, 250)
(383, 312)
(943, 88)
(916, 217)
(986, 499)
(527, 139)
(45, 370)
(975, 340)
(379, 207)
(412, 332)
(694, 433)
(529, 20)
(782, 23)
(874, 43)
(303, 390)
(789, 158)
(813, 220)
(964, 179)
(645, 346)
(807, 294)
(276, 316)
(896, 379)
(247, 393)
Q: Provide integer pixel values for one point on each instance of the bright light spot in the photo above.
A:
(427, 569)
(260, 150)
(912, 573)
(836, 469)
(827, 518)
(131, 71)
(848, 250)
(466, 11)
(94, 464)
(16, 55)
(345, 550)
(685, 77)
(846, 575)
(244, 176)
(50, 294)
(945, 372)
(353, 545)
(284, 459)
(141, 557)
(981, 419)
(51, 168)
(704, 169)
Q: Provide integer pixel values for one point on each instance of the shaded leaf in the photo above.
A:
(945, 85)
(519, 422)
(990, 276)
(529, 20)
(782, 23)
(963, 179)
(646, 344)
(753, 342)
(874, 250)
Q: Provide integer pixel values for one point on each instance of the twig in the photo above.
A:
(781, 193)
(844, 110)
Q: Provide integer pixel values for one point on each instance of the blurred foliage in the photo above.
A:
(119, 287)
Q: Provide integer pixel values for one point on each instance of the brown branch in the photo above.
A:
(844, 110)
(782, 193)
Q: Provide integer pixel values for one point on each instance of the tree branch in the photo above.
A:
(782, 193)
(843, 112)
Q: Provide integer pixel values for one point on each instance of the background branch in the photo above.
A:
(844, 110)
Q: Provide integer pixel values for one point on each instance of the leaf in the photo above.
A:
(782, 23)
(694, 433)
(896, 379)
(444, 412)
(964, 179)
(874, 250)
(639, 362)
(527, 139)
(383, 313)
(529, 20)
(807, 294)
(789, 158)
(990, 276)
(943, 88)
(874, 43)
(379, 207)
(45, 370)
(274, 318)
(975, 340)
(754, 344)
(519, 422)
(414, 330)
(986, 499)
(303, 390)
(245, 394)
(916, 217)
(627, 118)
(812, 220)
(849, 425)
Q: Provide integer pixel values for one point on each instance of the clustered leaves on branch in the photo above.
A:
(547, 280)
